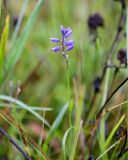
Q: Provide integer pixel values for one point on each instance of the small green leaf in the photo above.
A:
(113, 131)
(3, 44)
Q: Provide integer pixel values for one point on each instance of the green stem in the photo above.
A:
(68, 92)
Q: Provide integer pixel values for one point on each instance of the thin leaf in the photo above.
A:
(3, 44)
(28, 139)
(17, 50)
(118, 105)
(18, 25)
(24, 106)
(113, 145)
(58, 120)
(64, 141)
(113, 131)
(75, 141)
(31, 107)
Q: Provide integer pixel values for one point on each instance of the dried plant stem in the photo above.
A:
(110, 109)
(101, 112)
(112, 146)
(15, 144)
(113, 79)
(120, 28)
(109, 98)
(118, 33)
(110, 52)
(29, 139)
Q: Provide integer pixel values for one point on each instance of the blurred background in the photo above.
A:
(41, 74)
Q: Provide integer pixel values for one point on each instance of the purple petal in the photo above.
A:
(69, 32)
(63, 30)
(69, 43)
(55, 40)
(70, 48)
(67, 29)
(56, 49)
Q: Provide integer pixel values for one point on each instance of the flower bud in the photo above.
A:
(56, 49)
(70, 48)
(55, 40)
(69, 43)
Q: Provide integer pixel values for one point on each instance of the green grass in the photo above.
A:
(31, 76)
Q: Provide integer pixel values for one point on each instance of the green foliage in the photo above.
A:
(0, 7)
(109, 139)
(24, 106)
(64, 141)
(32, 76)
(17, 48)
(57, 121)
(3, 45)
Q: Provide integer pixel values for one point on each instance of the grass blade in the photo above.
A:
(24, 106)
(31, 107)
(64, 141)
(20, 18)
(58, 120)
(76, 137)
(28, 139)
(16, 52)
(3, 44)
(113, 145)
(113, 131)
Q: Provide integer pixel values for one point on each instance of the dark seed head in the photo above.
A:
(95, 21)
(15, 20)
(122, 56)
(120, 29)
(96, 84)
(120, 132)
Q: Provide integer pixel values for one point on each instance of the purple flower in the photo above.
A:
(66, 32)
(63, 30)
(65, 45)
(70, 48)
(55, 40)
(69, 43)
(56, 49)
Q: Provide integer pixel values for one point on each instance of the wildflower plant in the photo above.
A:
(66, 44)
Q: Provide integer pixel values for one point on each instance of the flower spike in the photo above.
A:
(65, 45)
